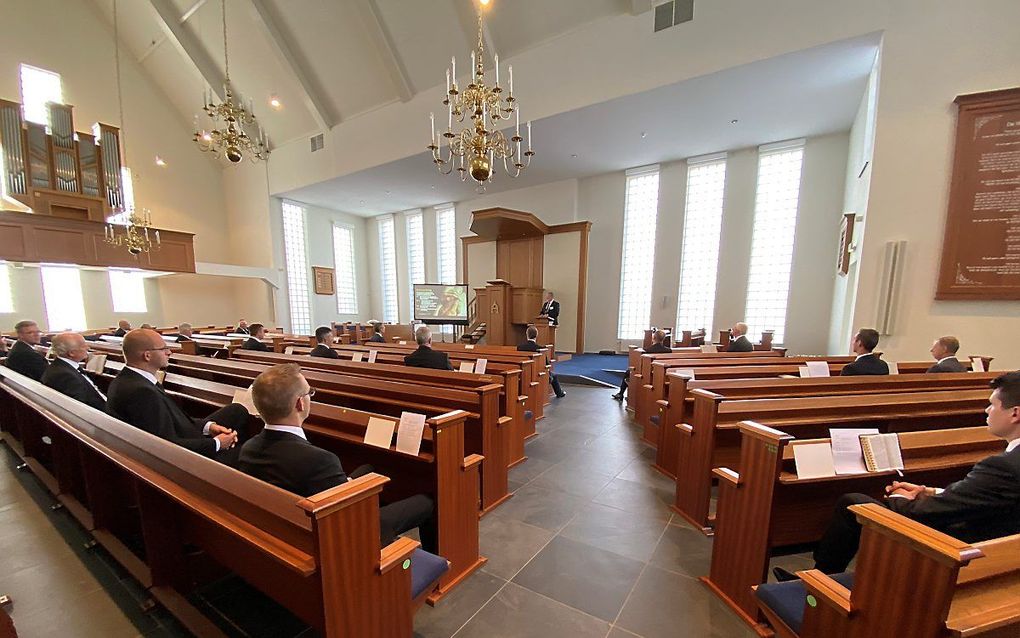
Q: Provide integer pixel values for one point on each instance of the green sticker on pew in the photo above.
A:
(811, 601)
(407, 563)
(773, 449)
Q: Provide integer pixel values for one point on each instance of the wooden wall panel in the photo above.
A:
(519, 261)
(12, 242)
(60, 245)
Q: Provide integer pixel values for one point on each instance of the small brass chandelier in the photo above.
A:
(230, 140)
(479, 145)
(134, 235)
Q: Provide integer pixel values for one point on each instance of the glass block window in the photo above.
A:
(343, 261)
(415, 255)
(6, 296)
(128, 291)
(446, 244)
(297, 268)
(640, 212)
(775, 220)
(65, 307)
(699, 261)
(388, 268)
(39, 86)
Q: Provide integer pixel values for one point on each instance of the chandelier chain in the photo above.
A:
(120, 93)
(226, 58)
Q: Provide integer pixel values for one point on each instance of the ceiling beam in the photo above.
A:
(189, 45)
(184, 18)
(311, 97)
(380, 36)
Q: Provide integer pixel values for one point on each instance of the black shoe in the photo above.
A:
(561, 395)
(618, 396)
(783, 575)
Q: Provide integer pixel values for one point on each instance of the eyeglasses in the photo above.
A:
(310, 393)
(164, 348)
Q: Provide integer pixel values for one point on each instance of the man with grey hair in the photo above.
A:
(123, 327)
(23, 358)
(65, 375)
(184, 332)
(425, 356)
(738, 339)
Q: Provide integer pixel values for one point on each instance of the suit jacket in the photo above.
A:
(658, 348)
(242, 331)
(134, 399)
(23, 358)
(71, 381)
(290, 462)
(868, 364)
(551, 309)
(426, 357)
(324, 351)
(529, 346)
(951, 364)
(740, 344)
(251, 343)
(119, 332)
(377, 338)
(985, 504)
(181, 338)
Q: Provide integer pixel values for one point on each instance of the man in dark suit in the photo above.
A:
(377, 335)
(425, 356)
(242, 327)
(551, 309)
(281, 455)
(738, 339)
(184, 333)
(324, 335)
(531, 345)
(22, 357)
(658, 347)
(867, 361)
(65, 374)
(123, 327)
(984, 505)
(944, 350)
(254, 341)
(135, 397)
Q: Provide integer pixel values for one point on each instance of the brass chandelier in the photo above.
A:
(229, 139)
(134, 235)
(479, 144)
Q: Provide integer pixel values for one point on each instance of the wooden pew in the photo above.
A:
(150, 503)
(712, 437)
(442, 469)
(967, 590)
(766, 506)
(690, 338)
(391, 366)
(680, 403)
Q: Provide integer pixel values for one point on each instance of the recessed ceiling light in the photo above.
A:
(362, 201)
(275, 102)
(433, 187)
(387, 192)
(160, 161)
(734, 121)
(643, 135)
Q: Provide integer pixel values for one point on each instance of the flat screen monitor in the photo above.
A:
(441, 303)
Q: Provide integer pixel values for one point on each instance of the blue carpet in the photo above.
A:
(608, 369)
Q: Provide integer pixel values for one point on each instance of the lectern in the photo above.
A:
(546, 332)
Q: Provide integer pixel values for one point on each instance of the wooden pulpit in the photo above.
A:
(546, 332)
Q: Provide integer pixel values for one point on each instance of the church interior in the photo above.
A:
(509, 318)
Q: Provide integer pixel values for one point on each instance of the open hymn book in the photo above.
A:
(881, 452)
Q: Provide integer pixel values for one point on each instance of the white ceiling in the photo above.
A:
(802, 94)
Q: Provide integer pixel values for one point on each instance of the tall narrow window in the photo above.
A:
(39, 86)
(775, 220)
(446, 244)
(699, 260)
(346, 281)
(65, 308)
(128, 291)
(415, 255)
(6, 297)
(640, 211)
(297, 268)
(388, 268)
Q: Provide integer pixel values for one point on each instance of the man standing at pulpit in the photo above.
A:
(551, 309)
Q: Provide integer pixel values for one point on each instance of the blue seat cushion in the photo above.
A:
(787, 599)
(528, 415)
(655, 419)
(426, 569)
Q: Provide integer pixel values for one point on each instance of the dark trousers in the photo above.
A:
(416, 511)
(234, 416)
(623, 384)
(841, 540)
(555, 383)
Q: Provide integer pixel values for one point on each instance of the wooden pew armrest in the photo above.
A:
(503, 420)
(471, 461)
(685, 428)
(725, 474)
(662, 403)
(396, 552)
(985, 621)
(827, 590)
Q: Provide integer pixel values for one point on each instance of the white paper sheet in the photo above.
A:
(469, 346)
(372, 354)
(818, 368)
(480, 366)
(804, 371)
(244, 398)
(409, 432)
(814, 460)
(847, 457)
(893, 368)
(977, 364)
(357, 357)
(401, 343)
(466, 366)
(288, 350)
(379, 432)
(709, 348)
(96, 363)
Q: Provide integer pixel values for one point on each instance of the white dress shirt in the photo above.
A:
(290, 429)
(1012, 445)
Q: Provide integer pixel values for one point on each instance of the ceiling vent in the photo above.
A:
(672, 13)
(317, 142)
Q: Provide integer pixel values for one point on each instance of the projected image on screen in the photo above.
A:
(440, 303)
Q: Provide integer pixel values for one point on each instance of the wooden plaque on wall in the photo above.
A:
(981, 248)
(325, 280)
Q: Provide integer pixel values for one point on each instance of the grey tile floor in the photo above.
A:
(586, 547)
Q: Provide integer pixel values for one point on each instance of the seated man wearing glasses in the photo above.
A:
(137, 398)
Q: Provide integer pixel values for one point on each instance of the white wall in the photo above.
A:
(928, 58)
(319, 224)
